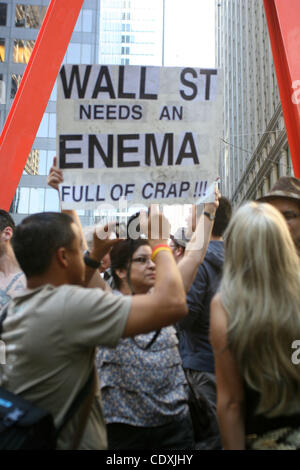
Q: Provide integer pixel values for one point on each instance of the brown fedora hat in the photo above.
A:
(286, 186)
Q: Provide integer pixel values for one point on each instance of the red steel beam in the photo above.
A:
(31, 99)
(283, 18)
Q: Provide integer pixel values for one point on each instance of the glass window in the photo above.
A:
(78, 24)
(125, 50)
(42, 14)
(2, 49)
(29, 16)
(86, 54)
(51, 155)
(22, 51)
(18, 50)
(32, 16)
(51, 200)
(52, 125)
(2, 91)
(20, 16)
(54, 92)
(29, 45)
(22, 201)
(3, 13)
(43, 129)
(73, 54)
(43, 162)
(87, 21)
(15, 83)
(36, 201)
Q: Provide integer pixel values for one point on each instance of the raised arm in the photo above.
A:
(166, 304)
(196, 248)
(230, 391)
(100, 246)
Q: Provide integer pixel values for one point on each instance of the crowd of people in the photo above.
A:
(185, 340)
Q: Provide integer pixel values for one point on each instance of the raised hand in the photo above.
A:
(55, 176)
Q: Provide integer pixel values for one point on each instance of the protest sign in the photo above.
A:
(147, 134)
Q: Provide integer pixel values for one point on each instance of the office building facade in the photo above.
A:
(254, 149)
(131, 32)
(19, 26)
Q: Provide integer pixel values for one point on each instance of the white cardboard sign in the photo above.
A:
(147, 134)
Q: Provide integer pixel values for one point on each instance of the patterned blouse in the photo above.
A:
(143, 387)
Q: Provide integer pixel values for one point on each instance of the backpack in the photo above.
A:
(24, 426)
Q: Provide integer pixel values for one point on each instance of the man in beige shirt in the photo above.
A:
(52, 329)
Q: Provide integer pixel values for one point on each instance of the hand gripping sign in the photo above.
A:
(147, 134)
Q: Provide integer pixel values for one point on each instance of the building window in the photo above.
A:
(51, 200)
(2, 92)
(32, 164)
(29, 16)
(22, 50)
(125, 50)
(15, 83)
(73, 53)
(3, 14)
(87, 21)
(86, 54)
(2, 49)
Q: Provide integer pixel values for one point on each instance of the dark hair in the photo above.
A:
(6, 220)
(223, 215)
(121, 254)
(37, 238)
(177, 245)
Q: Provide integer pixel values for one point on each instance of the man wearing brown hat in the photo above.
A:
(285, 196)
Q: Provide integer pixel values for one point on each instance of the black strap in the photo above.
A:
(2, 318)
(78, 400)
(150, 342)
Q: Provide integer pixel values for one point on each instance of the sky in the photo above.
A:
(190, 33)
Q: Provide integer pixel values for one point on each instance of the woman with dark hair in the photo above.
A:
(142, 380)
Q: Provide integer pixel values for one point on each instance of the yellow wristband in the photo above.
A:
(160, 248)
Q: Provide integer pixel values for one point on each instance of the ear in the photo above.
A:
(121, 273)
(7, 233)
(179, 251)
(61, 257)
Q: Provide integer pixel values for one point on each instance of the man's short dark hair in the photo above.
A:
(37, 238)
(6, 220)
(223, 215)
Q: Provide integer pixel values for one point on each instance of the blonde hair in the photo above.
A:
(260, 291)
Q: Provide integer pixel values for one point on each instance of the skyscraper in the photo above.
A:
(254, 147)
(131, 32)
(20, 23)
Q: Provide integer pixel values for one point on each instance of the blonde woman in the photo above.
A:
(255, 318)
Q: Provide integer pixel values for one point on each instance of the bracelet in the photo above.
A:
(159, 248)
